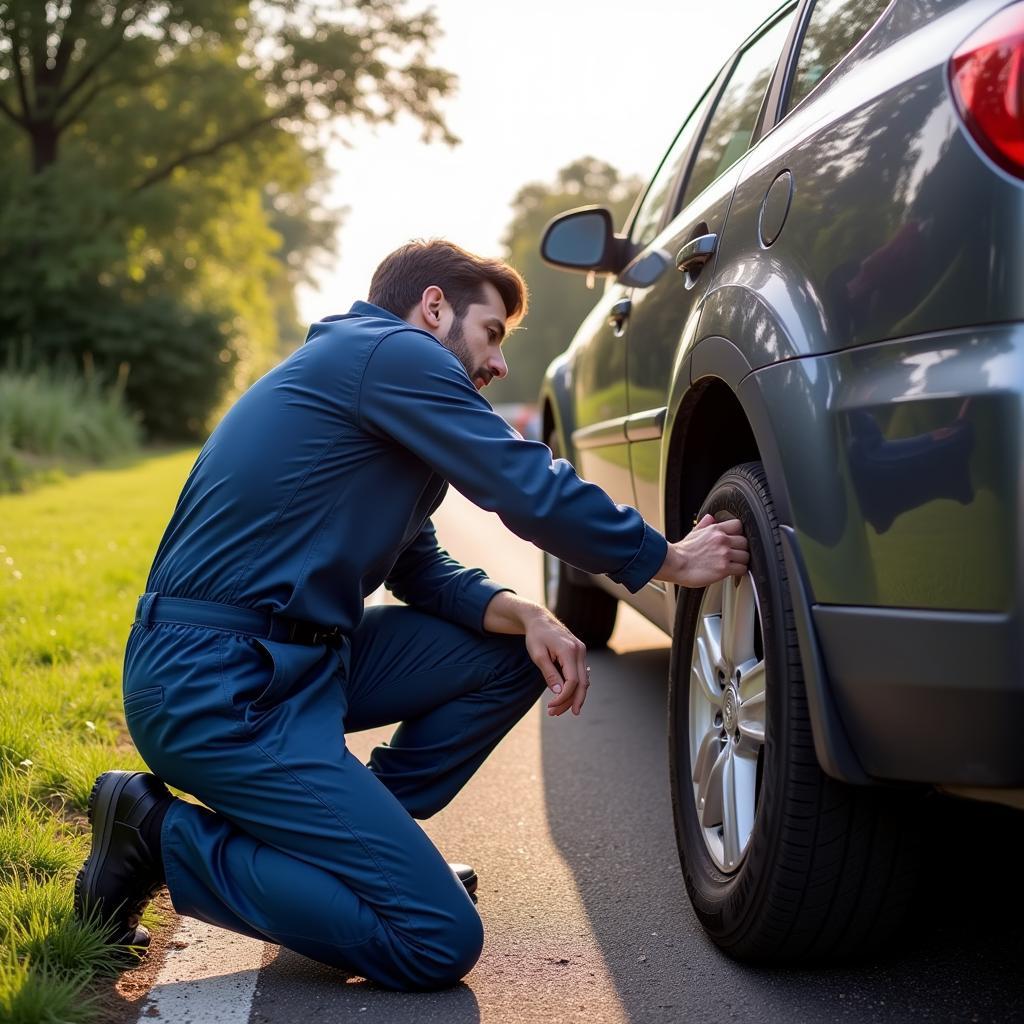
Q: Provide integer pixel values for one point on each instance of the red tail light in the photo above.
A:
(987, 77)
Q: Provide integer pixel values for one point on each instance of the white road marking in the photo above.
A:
(211, 978)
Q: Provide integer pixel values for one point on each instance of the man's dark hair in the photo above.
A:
(401, 279)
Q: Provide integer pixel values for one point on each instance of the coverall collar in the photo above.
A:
(359, 308)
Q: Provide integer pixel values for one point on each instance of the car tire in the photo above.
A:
(586, 610)
(800, 868)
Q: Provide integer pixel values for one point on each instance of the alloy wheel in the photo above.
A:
(727, 718)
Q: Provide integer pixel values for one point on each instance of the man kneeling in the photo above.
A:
(252, 656)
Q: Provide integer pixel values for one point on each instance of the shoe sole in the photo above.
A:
(102, 831)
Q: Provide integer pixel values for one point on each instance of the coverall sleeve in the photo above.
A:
(427, 577)
(417, 393)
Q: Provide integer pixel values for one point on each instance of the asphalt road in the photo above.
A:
(570, 828)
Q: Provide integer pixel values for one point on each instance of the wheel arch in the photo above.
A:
(716, 419)
(719, 418)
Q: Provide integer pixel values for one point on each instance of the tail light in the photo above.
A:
(987, 77)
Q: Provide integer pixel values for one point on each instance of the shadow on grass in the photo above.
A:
(607, 795)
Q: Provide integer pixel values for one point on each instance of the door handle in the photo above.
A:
(696, 253)
(619, 315)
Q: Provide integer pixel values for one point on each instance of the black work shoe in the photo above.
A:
(467, 876)
(121, 874)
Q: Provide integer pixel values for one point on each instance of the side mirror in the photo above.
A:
(583, 239)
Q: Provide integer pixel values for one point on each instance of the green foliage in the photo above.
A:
(558, 300)
(163, 196)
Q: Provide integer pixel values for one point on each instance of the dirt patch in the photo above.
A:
(119, 1000)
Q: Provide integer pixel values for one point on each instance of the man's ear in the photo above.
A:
(431, 303)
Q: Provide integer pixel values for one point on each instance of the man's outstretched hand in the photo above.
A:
(708, 553)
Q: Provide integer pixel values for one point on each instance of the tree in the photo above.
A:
(166, 167)
(559, 300)
(289, 63)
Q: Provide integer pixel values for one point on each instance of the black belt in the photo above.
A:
(266, 625)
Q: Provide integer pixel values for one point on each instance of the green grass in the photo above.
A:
(73, 558)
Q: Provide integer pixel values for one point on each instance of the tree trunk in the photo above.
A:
(44, 145)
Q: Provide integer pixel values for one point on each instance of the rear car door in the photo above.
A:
(663, 313)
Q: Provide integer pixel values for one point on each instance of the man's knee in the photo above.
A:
(452, 951)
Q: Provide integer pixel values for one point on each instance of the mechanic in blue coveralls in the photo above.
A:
(252, 655)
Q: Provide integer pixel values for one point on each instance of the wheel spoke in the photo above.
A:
(741, 813)
(751, 722)
(731, 839)
(710, 638)
(738, 619)
(752, 680)
(711, 794)
(706, 754)
(752, 703)
(728, 615)
(709, 659)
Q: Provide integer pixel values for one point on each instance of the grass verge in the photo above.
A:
(73, 558)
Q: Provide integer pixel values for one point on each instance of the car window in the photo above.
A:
(648, 217)
(834, 29)
(732, 124)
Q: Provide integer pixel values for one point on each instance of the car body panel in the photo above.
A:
(902, 461)
(928, 696)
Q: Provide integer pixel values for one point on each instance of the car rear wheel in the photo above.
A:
(782, 863)
(586, 610)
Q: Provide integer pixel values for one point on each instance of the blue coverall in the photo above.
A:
(316, 487)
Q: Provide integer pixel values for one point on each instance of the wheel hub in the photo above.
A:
(730, 705)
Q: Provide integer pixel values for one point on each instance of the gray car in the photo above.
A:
(814, 321)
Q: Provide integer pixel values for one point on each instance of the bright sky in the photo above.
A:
(541, 82)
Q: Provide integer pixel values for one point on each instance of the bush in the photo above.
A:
(174, 364)
(70, 294)
(59, 415)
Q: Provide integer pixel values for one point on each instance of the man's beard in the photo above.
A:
(455, 342)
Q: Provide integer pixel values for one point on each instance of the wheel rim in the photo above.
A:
(727, 718)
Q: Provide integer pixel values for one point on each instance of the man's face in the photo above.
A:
(476, 339)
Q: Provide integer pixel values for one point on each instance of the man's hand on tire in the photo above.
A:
(709, 553)
(562, 660)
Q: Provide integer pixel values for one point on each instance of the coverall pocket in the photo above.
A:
(289, 662)
(143, 700)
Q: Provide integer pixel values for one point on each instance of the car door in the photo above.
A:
(663, 314)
